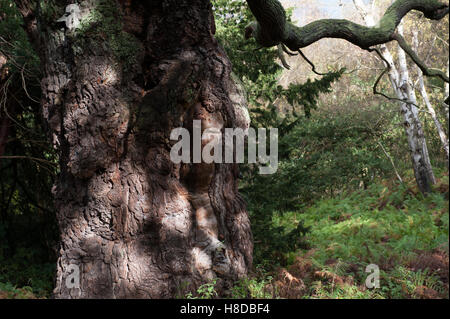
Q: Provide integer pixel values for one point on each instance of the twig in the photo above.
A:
(30, 158)
(392, 162)
(25, 85)
(310, 63)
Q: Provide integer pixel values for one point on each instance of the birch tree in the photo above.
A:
(404, 92)
(423, 91)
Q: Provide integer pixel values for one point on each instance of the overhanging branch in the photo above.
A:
(272, 27)
(425, 70)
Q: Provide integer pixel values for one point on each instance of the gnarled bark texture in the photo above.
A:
(137, 225)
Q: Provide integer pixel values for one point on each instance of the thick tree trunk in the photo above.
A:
(135, 224)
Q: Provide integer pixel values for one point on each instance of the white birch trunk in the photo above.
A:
(447, 90)
(403, 90)
(442, 136)
(447, 85)
(413, 127)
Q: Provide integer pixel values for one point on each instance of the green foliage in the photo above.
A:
(24, 270)
(50, 11)
(374, 222)
(318, 157)
(257, 69)
(205, 291)
(253, 288)
(259, 73)
(14, 43)
(8, 291)
(307, 94)
(231, 19)
(390, 226)
(28, 229)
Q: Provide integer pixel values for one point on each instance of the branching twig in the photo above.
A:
(30, 158)
(392, 161)
(24, 85)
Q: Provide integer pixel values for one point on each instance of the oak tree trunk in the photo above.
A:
(134, 223)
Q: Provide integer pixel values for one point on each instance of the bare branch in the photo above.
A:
(392, 162)
(30, 158)
(310, 63)
(24, 85)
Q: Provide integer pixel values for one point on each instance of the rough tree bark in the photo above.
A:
(137, 225)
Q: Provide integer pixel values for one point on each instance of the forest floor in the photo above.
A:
(388, 225)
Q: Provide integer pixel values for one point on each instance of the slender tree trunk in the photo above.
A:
(4, 119)
(447, 92)
(431, 111)
(135, 224)
(413, 127)
(447, 85)
(392, 162)
(400, 82)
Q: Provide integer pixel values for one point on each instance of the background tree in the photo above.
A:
(402, 86)
(28, 230)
